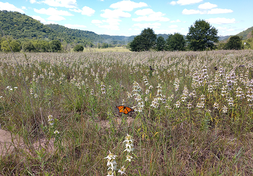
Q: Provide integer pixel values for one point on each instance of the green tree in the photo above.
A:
(175, 42)
(41, 45)
(138, 44)
(246, 45)
(202, 36)
(14, 44)
(234, 43)
(78, 48)
(221, 45)
(150, 38)
(104, 45)
(44, 46)
(160, 44)
(144, 42)
(28, 46)
(1, 39)
(55, 45)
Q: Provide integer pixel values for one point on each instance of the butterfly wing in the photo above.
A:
(127, 110)
(124, 109)
(120, 108)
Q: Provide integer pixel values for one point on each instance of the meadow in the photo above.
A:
(112, 49)
(193, 113)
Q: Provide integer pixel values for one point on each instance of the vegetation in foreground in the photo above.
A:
(193, 113)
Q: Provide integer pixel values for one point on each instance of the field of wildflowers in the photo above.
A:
(193, 113)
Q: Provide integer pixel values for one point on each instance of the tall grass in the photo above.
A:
(193, 112)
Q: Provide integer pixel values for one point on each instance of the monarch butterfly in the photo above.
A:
(124, 109)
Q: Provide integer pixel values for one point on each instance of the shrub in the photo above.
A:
(78, 48)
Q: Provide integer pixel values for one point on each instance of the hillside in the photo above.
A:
(223, 38)
(246, 34)
(76, 33)
(22, 27)
(117, 39)
(125, 39)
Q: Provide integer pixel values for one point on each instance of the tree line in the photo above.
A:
(30, 45)
(201, 36)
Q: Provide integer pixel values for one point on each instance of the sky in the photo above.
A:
(130, 17)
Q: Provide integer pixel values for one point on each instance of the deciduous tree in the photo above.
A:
(55, 45)
(14, 44)
(175, 42)
(202, 36)
(78, 48)
(28, 46)
(160, 44)
(234, 43)
(144, 42)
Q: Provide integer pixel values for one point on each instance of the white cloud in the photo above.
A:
(76, 10)
(220, 20)
(175, 21)
(60, 3)
(207, 5)
(50, 22)
(39, 19)
(10, 7)
(87, 11)
(227, 30)
(127, 5)
(166, 31)
(146, 25)
(185, 2)
(110, 23)
(119, 9)
(96, 22)
(192, 11)
(151, 18)
(144, 12)
(56, 18)
(173, 2)
(23, 7)
(150, 15)
(173, 26)
(219, 11)
(114, 14)
(52, 11)
(75, 26)
(212, 11)
(32, 1)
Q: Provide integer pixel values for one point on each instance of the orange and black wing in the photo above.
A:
(124, 109)
(127, 110)
(121, 108)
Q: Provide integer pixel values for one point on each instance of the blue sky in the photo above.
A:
(130, 17)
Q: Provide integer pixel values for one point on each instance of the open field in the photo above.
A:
(113, 49)
(193, 113)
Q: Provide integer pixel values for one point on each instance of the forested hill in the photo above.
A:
(22, 27)
(124, 39)
(76, 33)
(246, 34)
